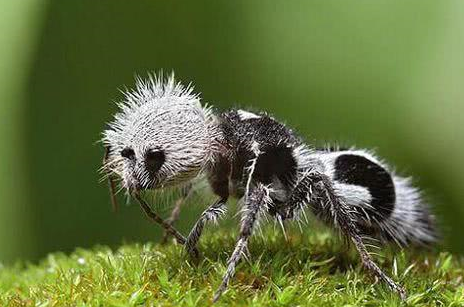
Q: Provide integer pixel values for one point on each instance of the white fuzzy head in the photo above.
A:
(162, 135)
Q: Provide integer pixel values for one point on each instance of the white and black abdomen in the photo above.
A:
(357, 170)
(387, 205)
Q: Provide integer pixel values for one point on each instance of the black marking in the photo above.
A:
(358, 170)
(128, 153)
(276, 161)
(154, 160)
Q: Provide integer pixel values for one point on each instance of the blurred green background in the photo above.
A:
(387, 75)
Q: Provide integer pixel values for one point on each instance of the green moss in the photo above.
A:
(307, 270)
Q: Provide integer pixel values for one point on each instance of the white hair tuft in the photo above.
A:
(161, 114)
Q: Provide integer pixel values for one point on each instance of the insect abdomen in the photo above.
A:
(388, 205)
(358, 170)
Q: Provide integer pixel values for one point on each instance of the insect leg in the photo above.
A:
(316, 189)
(157, 219)
(257, 199)
(373, 267)
(212, 213)
(186, 192)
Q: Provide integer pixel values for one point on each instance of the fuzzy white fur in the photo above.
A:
(406, 224)
(164, 115)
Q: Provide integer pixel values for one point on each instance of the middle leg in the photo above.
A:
(257, 201)
(212, 213)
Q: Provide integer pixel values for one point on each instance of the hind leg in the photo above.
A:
(317, 189)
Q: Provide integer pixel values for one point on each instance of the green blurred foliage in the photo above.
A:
(383, 74)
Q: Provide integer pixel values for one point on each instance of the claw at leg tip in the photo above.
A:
(403, 294)
(216, 297)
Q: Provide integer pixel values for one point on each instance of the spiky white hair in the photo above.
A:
(160, 114)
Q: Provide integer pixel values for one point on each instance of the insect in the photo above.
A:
(163, 136)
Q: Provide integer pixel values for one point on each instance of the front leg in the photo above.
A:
(258, 200)
(317, 189)
(185, 194)
(219, 181)
(212, 213)
(157, 219)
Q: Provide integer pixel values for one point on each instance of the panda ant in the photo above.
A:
(163, 136)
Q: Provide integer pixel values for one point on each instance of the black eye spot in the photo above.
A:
(154, 159)
(128, 153)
